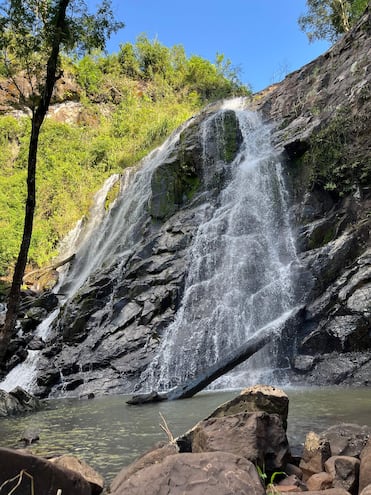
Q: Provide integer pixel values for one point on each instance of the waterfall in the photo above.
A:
(239, 264)
(239, 279)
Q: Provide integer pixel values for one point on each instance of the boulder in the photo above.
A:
(344, 471)
(272, 400)
(347, 439)
(80, 467)
(366, 490)
(17, 401)
(258, 437)
(293, 469)
(365, 467)
(217, 473)
(319, 481)
(150, 458)
(44, 476)
(315, 454)
(30, 435)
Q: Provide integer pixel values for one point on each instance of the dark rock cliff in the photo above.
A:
(321, 118)
(107, 334)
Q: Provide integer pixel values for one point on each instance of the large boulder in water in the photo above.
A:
(17, 401)
(258, 437)
(271, 400)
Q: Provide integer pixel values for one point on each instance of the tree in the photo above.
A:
(32, 35)
(328, 19)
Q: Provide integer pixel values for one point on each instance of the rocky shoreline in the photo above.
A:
(240, 448)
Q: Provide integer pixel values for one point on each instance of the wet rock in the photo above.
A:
(344, 471)
(29, 436)
(146, 398)
(360, 300)
(36, 344)
(80, 467)
(303, 363)
(342, 333)
(46, 477)
(200, 474)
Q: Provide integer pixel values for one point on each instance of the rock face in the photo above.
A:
(108, 334)
(321, 115)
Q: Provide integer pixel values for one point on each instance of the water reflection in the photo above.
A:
(108, 434)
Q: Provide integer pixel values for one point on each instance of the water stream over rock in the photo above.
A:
(194, 256)
(241, 260)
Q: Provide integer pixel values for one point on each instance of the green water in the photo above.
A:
(108, 434)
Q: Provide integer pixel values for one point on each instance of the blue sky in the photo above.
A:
(261, 37)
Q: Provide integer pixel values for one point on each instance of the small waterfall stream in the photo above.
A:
(101, 239)
(239, 278)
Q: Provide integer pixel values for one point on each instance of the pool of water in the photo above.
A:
(109, 434)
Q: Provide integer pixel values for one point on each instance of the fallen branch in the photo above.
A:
(42, 271)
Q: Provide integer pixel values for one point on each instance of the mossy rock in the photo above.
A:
(180, 177)
(232, 136)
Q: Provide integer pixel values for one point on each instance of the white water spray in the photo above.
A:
(239, 278)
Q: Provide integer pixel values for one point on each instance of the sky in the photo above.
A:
(261, 37)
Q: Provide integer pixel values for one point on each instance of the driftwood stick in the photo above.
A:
(54, 266)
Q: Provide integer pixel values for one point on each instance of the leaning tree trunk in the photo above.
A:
(38, 117)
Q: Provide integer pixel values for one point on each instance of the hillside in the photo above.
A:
(107, 113)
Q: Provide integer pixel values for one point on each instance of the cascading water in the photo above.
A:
(240, 268)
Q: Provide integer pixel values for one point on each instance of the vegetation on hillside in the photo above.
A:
(131, 102)
(329, 19)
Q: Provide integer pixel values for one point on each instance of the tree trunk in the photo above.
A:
(189, 389)
(38, 117)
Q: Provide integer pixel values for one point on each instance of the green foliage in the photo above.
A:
(89, 74)
(270, 487)
(328, 19)
(335, 157)
(144, 93)
(27, 36)
(170, 68)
